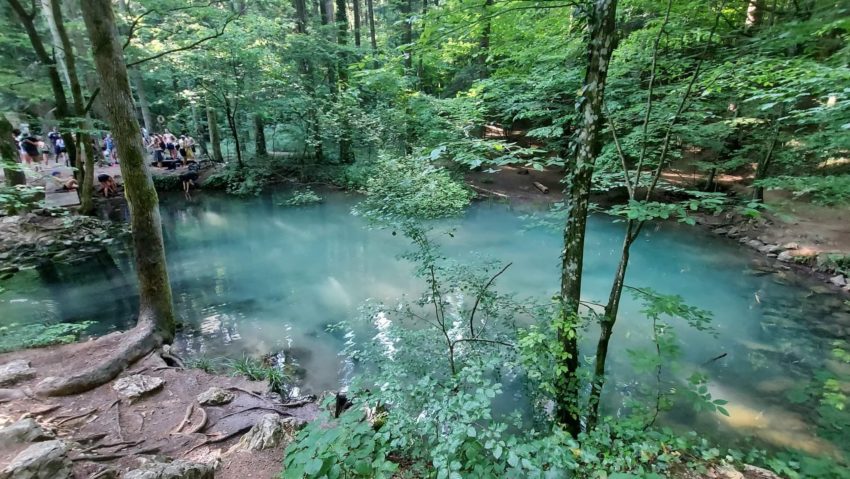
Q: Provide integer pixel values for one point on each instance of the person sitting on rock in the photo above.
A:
(65, 184)
(108, 187)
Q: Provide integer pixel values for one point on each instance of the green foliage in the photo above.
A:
(257, 370)
(167, 183)
(208, 365)
(825, 190)
(19, 198)
(302, 197)
(20, 336)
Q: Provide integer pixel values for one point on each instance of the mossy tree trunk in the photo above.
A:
(215, 135)
(12, 171)
(602, 23)
(156, 316)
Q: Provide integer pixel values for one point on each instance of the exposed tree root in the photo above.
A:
(189, 409)
(200, 425)
(110, 457)
(222, 438)
(136, 344)
(255, 408)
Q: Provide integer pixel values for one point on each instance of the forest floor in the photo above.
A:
(109, 431)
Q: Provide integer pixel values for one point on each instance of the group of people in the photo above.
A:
(168, 150)
(33, 149)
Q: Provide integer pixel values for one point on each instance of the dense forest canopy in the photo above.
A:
(399, 99)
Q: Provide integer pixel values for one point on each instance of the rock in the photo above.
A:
(178, 469)
(744, 239)
(135, 386)
(215, 396)
(733, 232)
(720, 231)
(755, 244)
(725, 472)
(268, 433)
(785, 257)
(838, 280)
(10, 269)
(15, 371)
(42, 460)
(774, 248)
(25, 430)
(754, 472)
(791, 246)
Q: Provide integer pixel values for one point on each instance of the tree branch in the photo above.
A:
(480, 294)
(186, 47)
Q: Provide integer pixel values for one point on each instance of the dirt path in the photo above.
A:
(133, 430)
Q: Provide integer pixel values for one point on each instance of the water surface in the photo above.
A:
(250, 277)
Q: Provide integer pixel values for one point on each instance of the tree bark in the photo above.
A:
(154, 287)
(62, 112)
(602, 19)
(407, 33)
(356, 12)
(58, 50)
(260, 135)
(199, 131)
(12, 171)
(484, 41)
(234, 130)
(215, 136)
(371, 12)
(86, 150)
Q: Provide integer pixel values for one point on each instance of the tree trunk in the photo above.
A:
(407, 33)
(215, 136)
(12, 171)
(86, 150)
(601, 44)
(327, 9)
(260, 135)
(371, 12)
(144, 106)
(62, 112)
(234, 130)
(199, 131)
(58, 49)
(484, 41)
(356, 12)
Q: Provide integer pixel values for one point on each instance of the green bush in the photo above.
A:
(302, 197)
(167, 183)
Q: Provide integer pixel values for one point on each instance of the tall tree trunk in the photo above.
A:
(58, 50)
(327, 10)
(144, 106)
(215, 136)
(602, 19)
(764, 164)
(12, 171)
(62, 112)
(260, 135)
(156, 315)
(356, 13)
(371, 12)
(199, 131)
(407, 33)
(313, 129)
(234, 130)
(86, 150)
(345, 154)
(484, 41)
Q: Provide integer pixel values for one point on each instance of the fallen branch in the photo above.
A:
(185, 421)
(261, 398)
(299, 403)
(540, 186)
(489, 192)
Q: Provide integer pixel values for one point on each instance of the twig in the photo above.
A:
(489, 192)
(478, 298)
(299, 403)
(715, 358)
(261, 398)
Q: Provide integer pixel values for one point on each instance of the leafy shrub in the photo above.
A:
(256, 370)
(20, 198)
(302, 197)
(16, 336)
(167, 183)
(824, 190)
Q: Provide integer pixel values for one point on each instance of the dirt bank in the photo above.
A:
(106, 430)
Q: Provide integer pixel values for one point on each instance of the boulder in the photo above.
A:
(754, 472)
(791, 246)
(838, 280)
(178, 469)
(215, 396)
(269, 432)
(137, 385)
(785, 257)
(42, 460)
(25, 430)
(755, 244)
(720, 231)
(15, 371)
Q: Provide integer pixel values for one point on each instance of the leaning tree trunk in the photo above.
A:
(601, 45)
(12, 171)
(156, 314)
(371, 12)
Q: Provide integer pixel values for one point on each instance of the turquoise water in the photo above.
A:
(250, 277)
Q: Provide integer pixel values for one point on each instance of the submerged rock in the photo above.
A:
(178, 469)
(15, 371)
(215, 396)
(23, 431)
(268, 433)
(838, 280)
(42, 460)
(137, 385)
